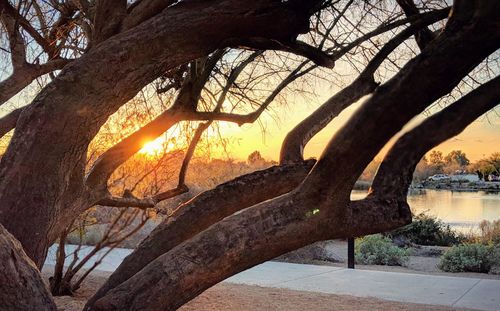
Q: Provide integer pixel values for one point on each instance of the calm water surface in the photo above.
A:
(462, 210)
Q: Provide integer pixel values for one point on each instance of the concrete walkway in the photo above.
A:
(481, 294)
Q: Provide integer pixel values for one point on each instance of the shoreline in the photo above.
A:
(493, 187)
(488, 187)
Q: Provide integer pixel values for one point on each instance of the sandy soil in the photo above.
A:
(232, 297)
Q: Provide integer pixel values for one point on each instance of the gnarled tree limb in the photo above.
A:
(295, 141)
(319, 207)
(204, 210)
(395, 173)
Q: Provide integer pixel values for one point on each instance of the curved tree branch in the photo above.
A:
(295, 141)
(108, 18)
(8, 122)
(319, 207)
(395, 173)
(25, 74)
(204, 210)
(424, 35)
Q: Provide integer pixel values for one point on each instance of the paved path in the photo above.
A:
(482, 294)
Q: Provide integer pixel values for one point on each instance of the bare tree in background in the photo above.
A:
(65, 281)
(179, 45)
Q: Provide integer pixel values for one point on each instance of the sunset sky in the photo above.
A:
(480, 139)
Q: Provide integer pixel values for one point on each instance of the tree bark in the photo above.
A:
(21, 285)
(8, 122)
(108, 18)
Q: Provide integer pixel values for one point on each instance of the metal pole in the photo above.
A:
(350, 253)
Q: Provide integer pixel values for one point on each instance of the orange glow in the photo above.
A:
(154, 147)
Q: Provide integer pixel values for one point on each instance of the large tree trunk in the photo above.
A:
(319, 208)
(21, 286)
(41, 174)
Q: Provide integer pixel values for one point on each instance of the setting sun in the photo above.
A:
(154, 147)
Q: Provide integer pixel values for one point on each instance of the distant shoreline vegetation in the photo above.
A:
(460, 186)
(452, 172)
(449, 186)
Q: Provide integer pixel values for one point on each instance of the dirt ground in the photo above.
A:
(232, 297)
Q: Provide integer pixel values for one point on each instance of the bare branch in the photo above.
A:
(206, 209)
(10, 12)
(190, 151)
(127, 202)
(8, 122)
(183, 107)
(171, 193)
(108, 17)
(24, 75)
(424, 36)
(384, 28)
(318, 56)
(143, 10)
(239, 119)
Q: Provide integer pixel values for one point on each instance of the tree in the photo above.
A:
(255, 159)
(436, 157)
(254, 217)
(436, 162)
(488, 165)
(457, 157)
(101, 67)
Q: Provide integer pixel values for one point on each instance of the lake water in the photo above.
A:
(462, 210)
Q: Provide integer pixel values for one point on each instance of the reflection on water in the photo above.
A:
(462, 210)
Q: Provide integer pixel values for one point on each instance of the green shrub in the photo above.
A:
(428, 230)
(470, 258)
(379, 250)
